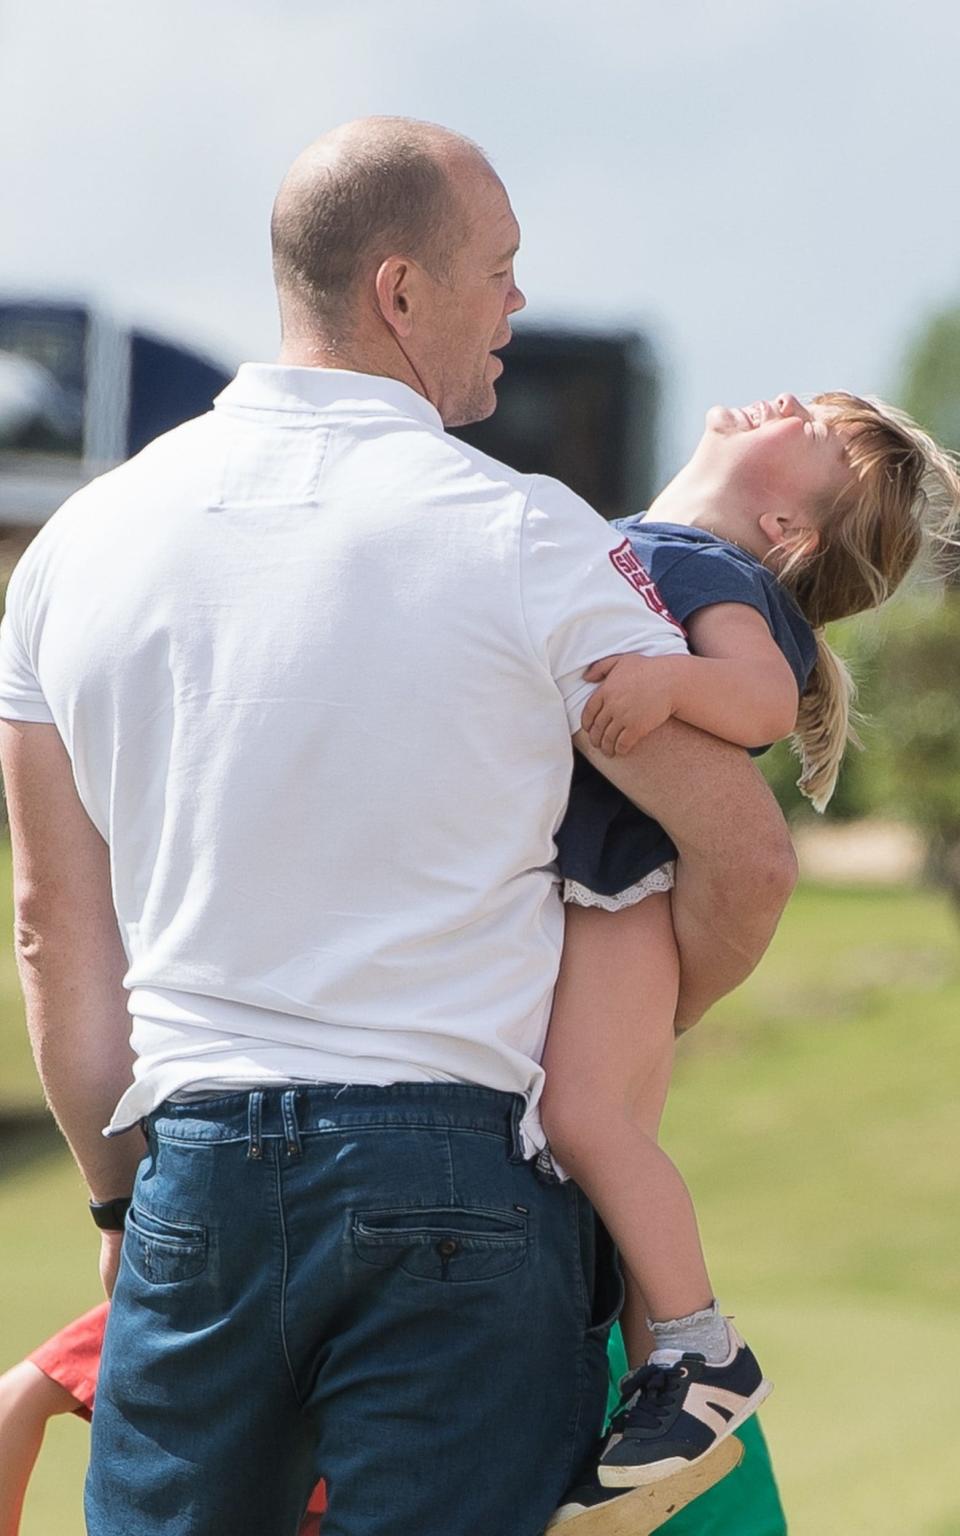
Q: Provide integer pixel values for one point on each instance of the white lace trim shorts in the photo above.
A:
(661, 879)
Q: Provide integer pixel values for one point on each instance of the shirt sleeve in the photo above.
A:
(585, 593)
(706, 576)
(710, 575)
(21, 697)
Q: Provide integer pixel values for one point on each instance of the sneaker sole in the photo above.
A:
(645, 1477)
(642, 1510)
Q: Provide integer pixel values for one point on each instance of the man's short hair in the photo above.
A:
(338, 215)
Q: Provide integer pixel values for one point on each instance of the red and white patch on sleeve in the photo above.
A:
(624, 560)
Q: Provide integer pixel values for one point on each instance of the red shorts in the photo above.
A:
(72, 1359)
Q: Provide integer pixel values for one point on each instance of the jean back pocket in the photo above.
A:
(446, 1243)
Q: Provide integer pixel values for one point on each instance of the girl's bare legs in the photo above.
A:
(608, 1059)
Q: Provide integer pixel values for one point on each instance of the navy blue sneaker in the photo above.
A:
(675, 1409)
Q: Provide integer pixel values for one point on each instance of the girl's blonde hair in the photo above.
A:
(903, 493)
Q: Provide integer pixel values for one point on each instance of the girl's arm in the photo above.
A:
(738, 686)
(28, 1399)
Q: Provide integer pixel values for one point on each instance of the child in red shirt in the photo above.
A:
(61, 1377)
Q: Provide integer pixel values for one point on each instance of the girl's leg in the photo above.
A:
(608, 1058)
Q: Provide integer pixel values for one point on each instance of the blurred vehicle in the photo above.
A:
(581, 406)
(79, 393)
(34, 411)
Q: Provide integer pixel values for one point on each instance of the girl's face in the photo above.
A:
(777, 452)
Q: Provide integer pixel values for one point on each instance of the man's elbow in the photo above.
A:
(762, 880)
(42, 926)
(777, 870)
(31, 946)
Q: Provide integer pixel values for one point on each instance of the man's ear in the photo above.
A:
(784, 532)
(393, 284)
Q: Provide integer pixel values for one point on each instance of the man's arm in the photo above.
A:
(69, 954)
(737, 866)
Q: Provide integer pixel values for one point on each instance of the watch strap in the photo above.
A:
(109, 1215)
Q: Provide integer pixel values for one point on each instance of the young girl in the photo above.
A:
(786, 518)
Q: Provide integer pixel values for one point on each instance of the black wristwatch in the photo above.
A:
(109, 1215)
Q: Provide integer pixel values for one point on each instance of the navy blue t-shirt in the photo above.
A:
(604, 841)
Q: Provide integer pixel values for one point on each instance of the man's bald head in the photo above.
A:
(393, 247)
(377, 187)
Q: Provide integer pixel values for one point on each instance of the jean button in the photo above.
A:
(447, 1247)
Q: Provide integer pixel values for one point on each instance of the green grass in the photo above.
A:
(815, 1118)
(49, 1268)
(839, 1123)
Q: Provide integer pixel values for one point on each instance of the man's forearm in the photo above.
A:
(79, 1029)
(69, 952)
(736, 866)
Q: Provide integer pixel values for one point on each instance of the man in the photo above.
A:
(289, 701)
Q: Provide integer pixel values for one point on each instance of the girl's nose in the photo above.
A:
(789, 405)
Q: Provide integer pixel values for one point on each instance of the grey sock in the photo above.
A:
(701, 1333)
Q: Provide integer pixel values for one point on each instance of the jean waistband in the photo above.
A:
(259, 1114)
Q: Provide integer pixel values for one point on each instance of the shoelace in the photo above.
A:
(649, 1397)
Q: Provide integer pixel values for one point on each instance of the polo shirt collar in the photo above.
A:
(274, 386)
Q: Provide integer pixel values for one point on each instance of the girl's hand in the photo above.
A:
(634, 697)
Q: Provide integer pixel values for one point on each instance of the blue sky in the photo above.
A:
(769, 189)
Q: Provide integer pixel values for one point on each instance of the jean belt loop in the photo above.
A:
(291, 1131)
(255, 1124)
(517, 1111)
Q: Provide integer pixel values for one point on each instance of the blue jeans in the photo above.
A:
(367, 1284)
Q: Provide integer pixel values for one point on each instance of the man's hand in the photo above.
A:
(110, 1246)
(737, 866)
(634, 697)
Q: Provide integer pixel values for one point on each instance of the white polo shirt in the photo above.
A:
(316, 664)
